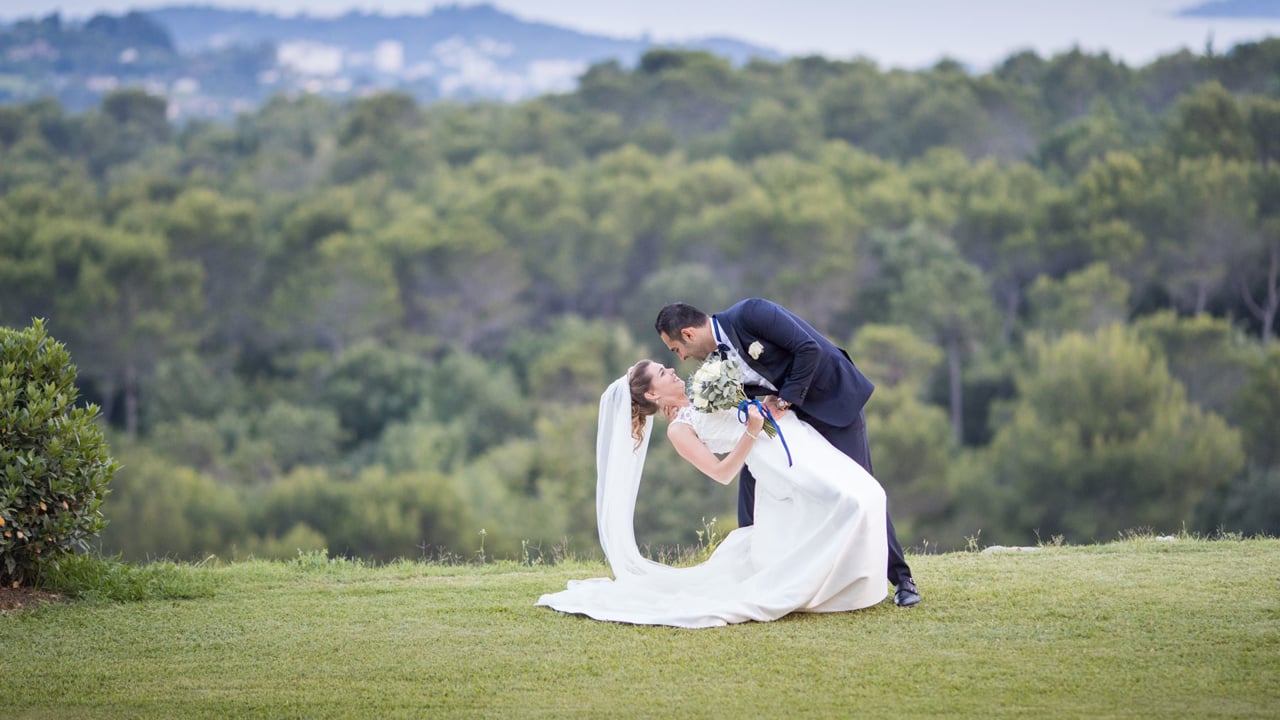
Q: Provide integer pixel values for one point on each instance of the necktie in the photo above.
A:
(723, 351)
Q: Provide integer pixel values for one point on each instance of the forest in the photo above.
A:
(382, 327)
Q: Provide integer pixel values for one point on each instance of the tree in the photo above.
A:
(1084, 301)
(1100, 439)
(709, 191)
(1257, 268)
(541, 487)
(1170, 76)
(694, 283)
(457, 280)
(767, 128)
(1073, 145)
(894, 356)
(852, 106)
(605, 87)
(1211, 122)
(538, 128)
(188, 384)
(26, 274)
(458, 133)
(1249, 505)
(635, 200)
(1208, 355)
(1256, 407)
(540, 213)
(1264, 128)
(935, 290)
(158, 509)
(794, 235)
(376, 514)
(945, 113)
(122, 303)
(298, 435)
(381, 135)
(1113, 202)
(370, 386)
(691, 92)
(1004, 226)
(572, 360)
(1212, 209)
(325, 266)
(1247, 67)
(480, 396)
(289, 142)
(131, 122)
(1073, 80)
(221, 236)
(914, 446)
(54, 462)
(913, 441)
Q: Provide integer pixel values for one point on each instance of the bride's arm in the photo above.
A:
(724, 469)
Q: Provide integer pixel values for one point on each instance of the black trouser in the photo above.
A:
(852, 441)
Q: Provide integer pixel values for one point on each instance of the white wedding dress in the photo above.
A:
(818, 543)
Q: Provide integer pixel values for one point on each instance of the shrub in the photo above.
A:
(54, 462)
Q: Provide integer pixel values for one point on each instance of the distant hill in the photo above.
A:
(1234, 9)
(196, 27)
(474, 50)
(216, 62)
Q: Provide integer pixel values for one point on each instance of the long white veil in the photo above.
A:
(619, 463)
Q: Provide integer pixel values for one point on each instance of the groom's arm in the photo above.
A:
(769, 321)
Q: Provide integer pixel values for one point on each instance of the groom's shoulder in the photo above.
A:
(752, 304)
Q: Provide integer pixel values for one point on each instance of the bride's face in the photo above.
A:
(665, 386)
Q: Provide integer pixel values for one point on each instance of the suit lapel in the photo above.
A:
(730, 336)
(725, 332)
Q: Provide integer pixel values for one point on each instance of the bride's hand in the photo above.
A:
(670, 412)
(755, 420)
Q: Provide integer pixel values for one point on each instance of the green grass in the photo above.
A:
(1139, 628)
(94, 579)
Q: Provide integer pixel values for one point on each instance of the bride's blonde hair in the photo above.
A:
(639, 379)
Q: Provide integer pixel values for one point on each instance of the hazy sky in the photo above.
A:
(899, 33)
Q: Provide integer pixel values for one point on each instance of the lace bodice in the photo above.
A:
(719, 431)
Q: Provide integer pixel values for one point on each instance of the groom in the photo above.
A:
(796, 368)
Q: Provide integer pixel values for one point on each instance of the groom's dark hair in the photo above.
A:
(674, 317)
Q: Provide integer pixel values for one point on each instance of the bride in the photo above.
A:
(818, 543)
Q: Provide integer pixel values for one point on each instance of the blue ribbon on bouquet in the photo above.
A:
(768, 416)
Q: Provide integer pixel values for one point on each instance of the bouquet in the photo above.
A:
(717, 385)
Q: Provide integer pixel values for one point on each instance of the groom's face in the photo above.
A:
(690, 343)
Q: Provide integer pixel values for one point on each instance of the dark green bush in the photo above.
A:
(54, 462)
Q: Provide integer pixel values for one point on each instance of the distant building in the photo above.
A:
(388, 57)
(310, 58)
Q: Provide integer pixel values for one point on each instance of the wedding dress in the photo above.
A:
(818, 543)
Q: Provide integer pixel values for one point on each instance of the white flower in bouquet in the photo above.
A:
(717, 385)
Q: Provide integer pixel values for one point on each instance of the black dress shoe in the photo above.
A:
(907, 594)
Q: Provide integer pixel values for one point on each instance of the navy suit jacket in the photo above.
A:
(809, 371)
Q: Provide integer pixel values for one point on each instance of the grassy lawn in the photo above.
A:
(1139, 628)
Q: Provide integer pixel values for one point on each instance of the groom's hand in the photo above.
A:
(771, 402)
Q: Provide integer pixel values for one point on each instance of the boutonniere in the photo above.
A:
(755, 350)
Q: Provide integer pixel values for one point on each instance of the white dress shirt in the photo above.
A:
(749, 375)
